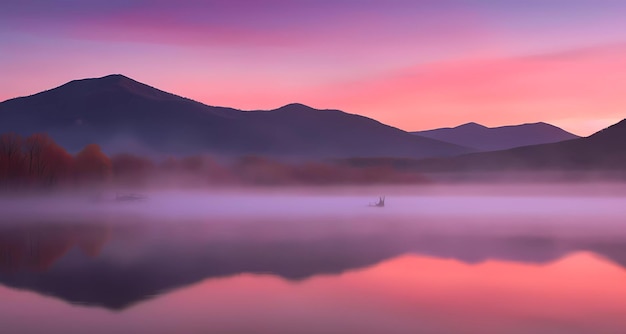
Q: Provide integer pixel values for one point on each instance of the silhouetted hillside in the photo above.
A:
(604, 150)
(603, 154)
(124, 115)
(499, 138)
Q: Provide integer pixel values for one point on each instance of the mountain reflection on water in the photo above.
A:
(319, 275)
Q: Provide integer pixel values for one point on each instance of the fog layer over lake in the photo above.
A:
(591, 207)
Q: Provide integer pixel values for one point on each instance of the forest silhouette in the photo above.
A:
(37, 162)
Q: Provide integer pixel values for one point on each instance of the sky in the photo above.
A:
(412, 64)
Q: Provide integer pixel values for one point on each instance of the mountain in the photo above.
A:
(604, 150)
(483, 138)
(122, 114)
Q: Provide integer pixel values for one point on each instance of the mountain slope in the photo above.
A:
(499, 138)
(121, 114)
(604, 150)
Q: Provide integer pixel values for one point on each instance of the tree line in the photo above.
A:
(37, 161)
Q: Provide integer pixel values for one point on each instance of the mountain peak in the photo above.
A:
(118, 113)
(107, 79)
(117, 83)
(114, 77)
(536, 124)
(471, 125)
(499, 138)
(118, 79)
(296, 106)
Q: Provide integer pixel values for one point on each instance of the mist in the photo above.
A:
(565, 208)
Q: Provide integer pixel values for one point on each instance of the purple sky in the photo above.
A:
(411, 64)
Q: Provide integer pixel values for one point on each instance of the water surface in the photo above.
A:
(318, 264)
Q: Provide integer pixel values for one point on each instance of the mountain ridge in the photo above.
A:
(483, 138)
(118, 113)
(603, 150)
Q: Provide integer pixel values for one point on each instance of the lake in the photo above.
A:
(525, 261)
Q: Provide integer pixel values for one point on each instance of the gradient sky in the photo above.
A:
(413, 64)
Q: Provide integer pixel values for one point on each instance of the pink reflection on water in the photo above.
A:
(581, 293)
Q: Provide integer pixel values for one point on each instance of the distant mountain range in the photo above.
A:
(124, 115)
(482, 138)
(604, 150)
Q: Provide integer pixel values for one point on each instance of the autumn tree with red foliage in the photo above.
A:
(47, 161)
(11, 159)
(92, 166)
(38, 161)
